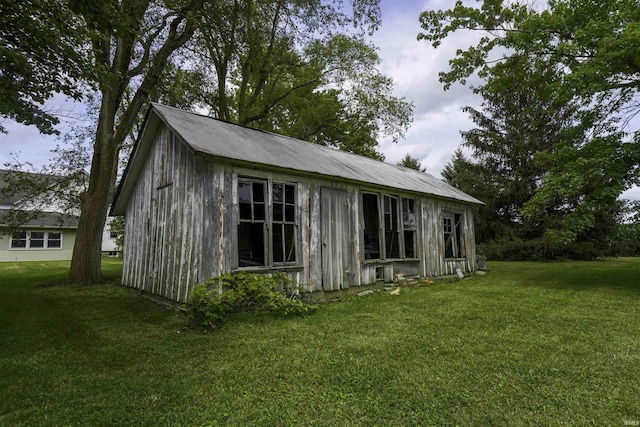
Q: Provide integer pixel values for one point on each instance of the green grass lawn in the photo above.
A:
(528, 344)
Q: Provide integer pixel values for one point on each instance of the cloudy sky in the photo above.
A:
(414, 66)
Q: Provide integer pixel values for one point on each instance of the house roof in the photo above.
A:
(43, 219)
(234, 142)
(7, 179)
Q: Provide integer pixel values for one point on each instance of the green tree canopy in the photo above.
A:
(525, 132)
(594, 47)
(42, 52)
(296, 69)
(125, 52)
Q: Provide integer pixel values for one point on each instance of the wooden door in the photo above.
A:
(335, 229)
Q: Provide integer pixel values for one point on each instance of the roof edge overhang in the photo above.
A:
(293, 171)
(136, 162)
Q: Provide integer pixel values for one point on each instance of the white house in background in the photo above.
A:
(49, 237)
(109, 246)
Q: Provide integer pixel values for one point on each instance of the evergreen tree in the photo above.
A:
(411, 162)
(524, 125)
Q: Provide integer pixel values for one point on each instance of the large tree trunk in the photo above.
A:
(86, 264)
(86, 261)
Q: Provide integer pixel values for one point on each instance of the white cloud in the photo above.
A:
(28, 144)
(414, 66)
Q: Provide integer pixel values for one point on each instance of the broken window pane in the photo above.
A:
(409, 227)
(371, 226)
(392, 234)
(409, 244)
(290, 243)
(250, 244)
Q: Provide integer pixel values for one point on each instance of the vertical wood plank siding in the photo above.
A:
(163, 252)
(181, 226)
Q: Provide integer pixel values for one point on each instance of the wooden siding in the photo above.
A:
(163, 251)
(182, 224)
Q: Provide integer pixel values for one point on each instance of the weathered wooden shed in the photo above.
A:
(202, 197)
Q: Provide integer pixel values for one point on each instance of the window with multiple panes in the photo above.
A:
(452, 231)
(283, 242)
(36, 240)
(398, 226)
(266, 236)
(391, 227)
(409, 227)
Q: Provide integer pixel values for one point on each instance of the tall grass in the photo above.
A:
(528, 344)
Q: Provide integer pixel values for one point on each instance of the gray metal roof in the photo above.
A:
(230, 141)
(8, 178)
(43, 219)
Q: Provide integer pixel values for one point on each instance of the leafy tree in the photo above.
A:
(42, 51)
(122, 49)
(282, 66)
(131, 43)
(522, 131)
(411, 162)
(594, 47)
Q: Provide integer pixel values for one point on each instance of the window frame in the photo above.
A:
(268, 223)
(400, 226)
(452, 224)
(409, 225)
(43, 241)
(283, 223)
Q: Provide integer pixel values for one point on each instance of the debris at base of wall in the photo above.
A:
(396, 291)
(481, 273)
(459, 273)
(363, 293)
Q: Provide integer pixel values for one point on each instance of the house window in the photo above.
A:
(409, 227)
(54, 240)
(18, 240)
(251, 229)
(398, 226)
(391, 227)
(266, 236)
(113, 234)
(452, 230)
(370, 212)
(283, 223)
(36, 240)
